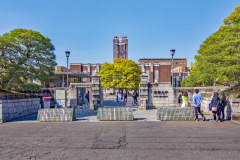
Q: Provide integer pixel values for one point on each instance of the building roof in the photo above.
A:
(162, 59)
(86, 64)
(73, 74)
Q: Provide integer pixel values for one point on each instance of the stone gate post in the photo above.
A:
(96, 98)
(144, 92)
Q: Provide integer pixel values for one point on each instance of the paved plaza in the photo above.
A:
(144, 138)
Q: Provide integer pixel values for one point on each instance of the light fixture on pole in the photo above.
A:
(172, 53)
(67, 55)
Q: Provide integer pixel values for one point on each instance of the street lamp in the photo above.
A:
(172, 53)
(67, 55)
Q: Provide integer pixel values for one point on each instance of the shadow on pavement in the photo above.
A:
(28, 118)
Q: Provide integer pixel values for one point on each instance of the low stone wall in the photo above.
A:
(16, 108)
(235, 107)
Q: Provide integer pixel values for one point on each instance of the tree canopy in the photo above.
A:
(218, 58)
(122, 74)
(25, 55)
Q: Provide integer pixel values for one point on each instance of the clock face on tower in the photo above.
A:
(120, 40)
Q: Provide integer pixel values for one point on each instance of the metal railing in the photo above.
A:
(115, 114)
(55, 114)
(175, 113)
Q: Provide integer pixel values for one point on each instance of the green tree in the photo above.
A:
(218, 57)
(25, 55)
(122, 74)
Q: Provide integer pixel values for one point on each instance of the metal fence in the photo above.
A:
(55, 114)
(115, 114)
(175, 114)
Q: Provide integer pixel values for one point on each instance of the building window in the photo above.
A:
(156, 76)
(176, 66)
(177, 81)
(176, 62)
(93, 72)
(180, 62)
(147, 72)
(184, 63)
(84, 79)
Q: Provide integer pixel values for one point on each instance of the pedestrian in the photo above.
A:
(197, 99)
(121, 94)
(180, 98)
(134, 96)
(125, 96)
(87, 96)
(185, 99)
(223, 103)
(117, 95)
(216, 107)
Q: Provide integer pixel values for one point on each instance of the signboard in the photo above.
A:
(60, 97)
(46, 103)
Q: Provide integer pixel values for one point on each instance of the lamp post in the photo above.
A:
(67, 55)
(172, 51)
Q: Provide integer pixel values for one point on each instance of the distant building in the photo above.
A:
(120, 47)
(88, 68)
(179, 74)
(159, 70)
(177, 62)
(60, 69)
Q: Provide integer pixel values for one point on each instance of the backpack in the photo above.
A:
(210, 106)
(134, 94)
(225, 103)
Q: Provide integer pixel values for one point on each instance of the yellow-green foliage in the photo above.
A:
(122, 74)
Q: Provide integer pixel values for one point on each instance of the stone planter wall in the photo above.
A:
(235, 107)
(16, 108)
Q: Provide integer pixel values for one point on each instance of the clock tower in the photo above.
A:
(120, 47)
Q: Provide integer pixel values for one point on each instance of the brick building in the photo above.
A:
(180, 73)
(177, 62)
(89, 68)
(159, 70)
(120, 47)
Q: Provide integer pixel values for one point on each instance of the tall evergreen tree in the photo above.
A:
(25, 55)
(219, 56)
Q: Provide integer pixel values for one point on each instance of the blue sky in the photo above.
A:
(86, 27)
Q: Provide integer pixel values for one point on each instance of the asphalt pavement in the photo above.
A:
(139, 139)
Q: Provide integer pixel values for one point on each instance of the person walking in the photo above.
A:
(197, 99)
(134, 96)
(87, 96)
(185, 99)
(216, 107)
(223, 103)
(121, 94)
(180, 98)
(125, 96)
(117, 95)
